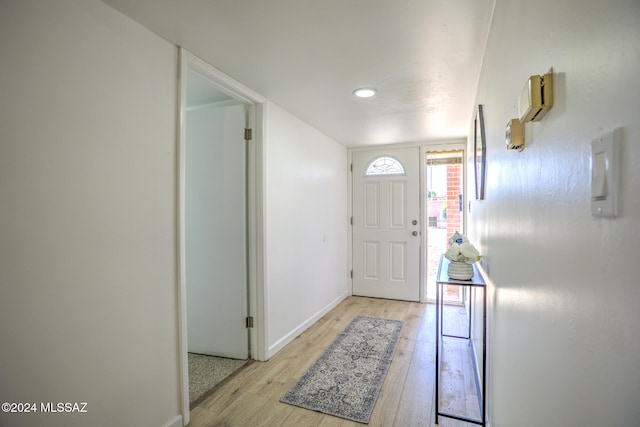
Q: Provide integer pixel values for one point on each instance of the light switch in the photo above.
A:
(605, 159)
(599, 180)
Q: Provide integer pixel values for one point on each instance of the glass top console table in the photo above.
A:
(476, 281)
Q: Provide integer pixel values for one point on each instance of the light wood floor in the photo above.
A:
(251, 397)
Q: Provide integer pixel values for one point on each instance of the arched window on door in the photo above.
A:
(384, 165)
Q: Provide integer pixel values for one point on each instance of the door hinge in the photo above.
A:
(351, 221)
(351, 274)
(248, 134)
(351, 167)
(249, 322)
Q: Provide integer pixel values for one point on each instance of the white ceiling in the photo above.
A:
(423, 56)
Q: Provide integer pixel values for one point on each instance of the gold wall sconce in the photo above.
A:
(515, 135)
(534, 101)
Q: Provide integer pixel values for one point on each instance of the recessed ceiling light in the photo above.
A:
(364, 92)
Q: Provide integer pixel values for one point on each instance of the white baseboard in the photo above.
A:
(176, 422)
(282, 342)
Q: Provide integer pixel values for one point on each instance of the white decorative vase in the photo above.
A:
(460, 270)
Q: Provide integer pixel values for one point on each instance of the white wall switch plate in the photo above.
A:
(605, 174)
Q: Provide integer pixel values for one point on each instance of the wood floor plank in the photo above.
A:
(416, 401)
(200, 416)
(329, 421)
(388, 401)
(270, 415)
(303, 418)
(457, 391)
(452, 379)
(239, 412)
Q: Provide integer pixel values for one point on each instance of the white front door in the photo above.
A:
(386, 223)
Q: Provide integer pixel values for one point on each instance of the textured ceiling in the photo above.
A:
(423, 56)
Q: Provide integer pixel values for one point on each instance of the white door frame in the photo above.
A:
(424, 148)
(255, 227)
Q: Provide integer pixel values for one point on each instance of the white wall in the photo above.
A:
(565, 320)
(306, 225)
(87, 215)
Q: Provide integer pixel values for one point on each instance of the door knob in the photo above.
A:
(415, 233)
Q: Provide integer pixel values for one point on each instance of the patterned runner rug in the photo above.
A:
(346, 379)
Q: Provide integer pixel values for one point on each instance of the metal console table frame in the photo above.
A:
(478, 282)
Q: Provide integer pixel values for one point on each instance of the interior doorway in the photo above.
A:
(215, 236)
(219, 219)
(445, 198)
